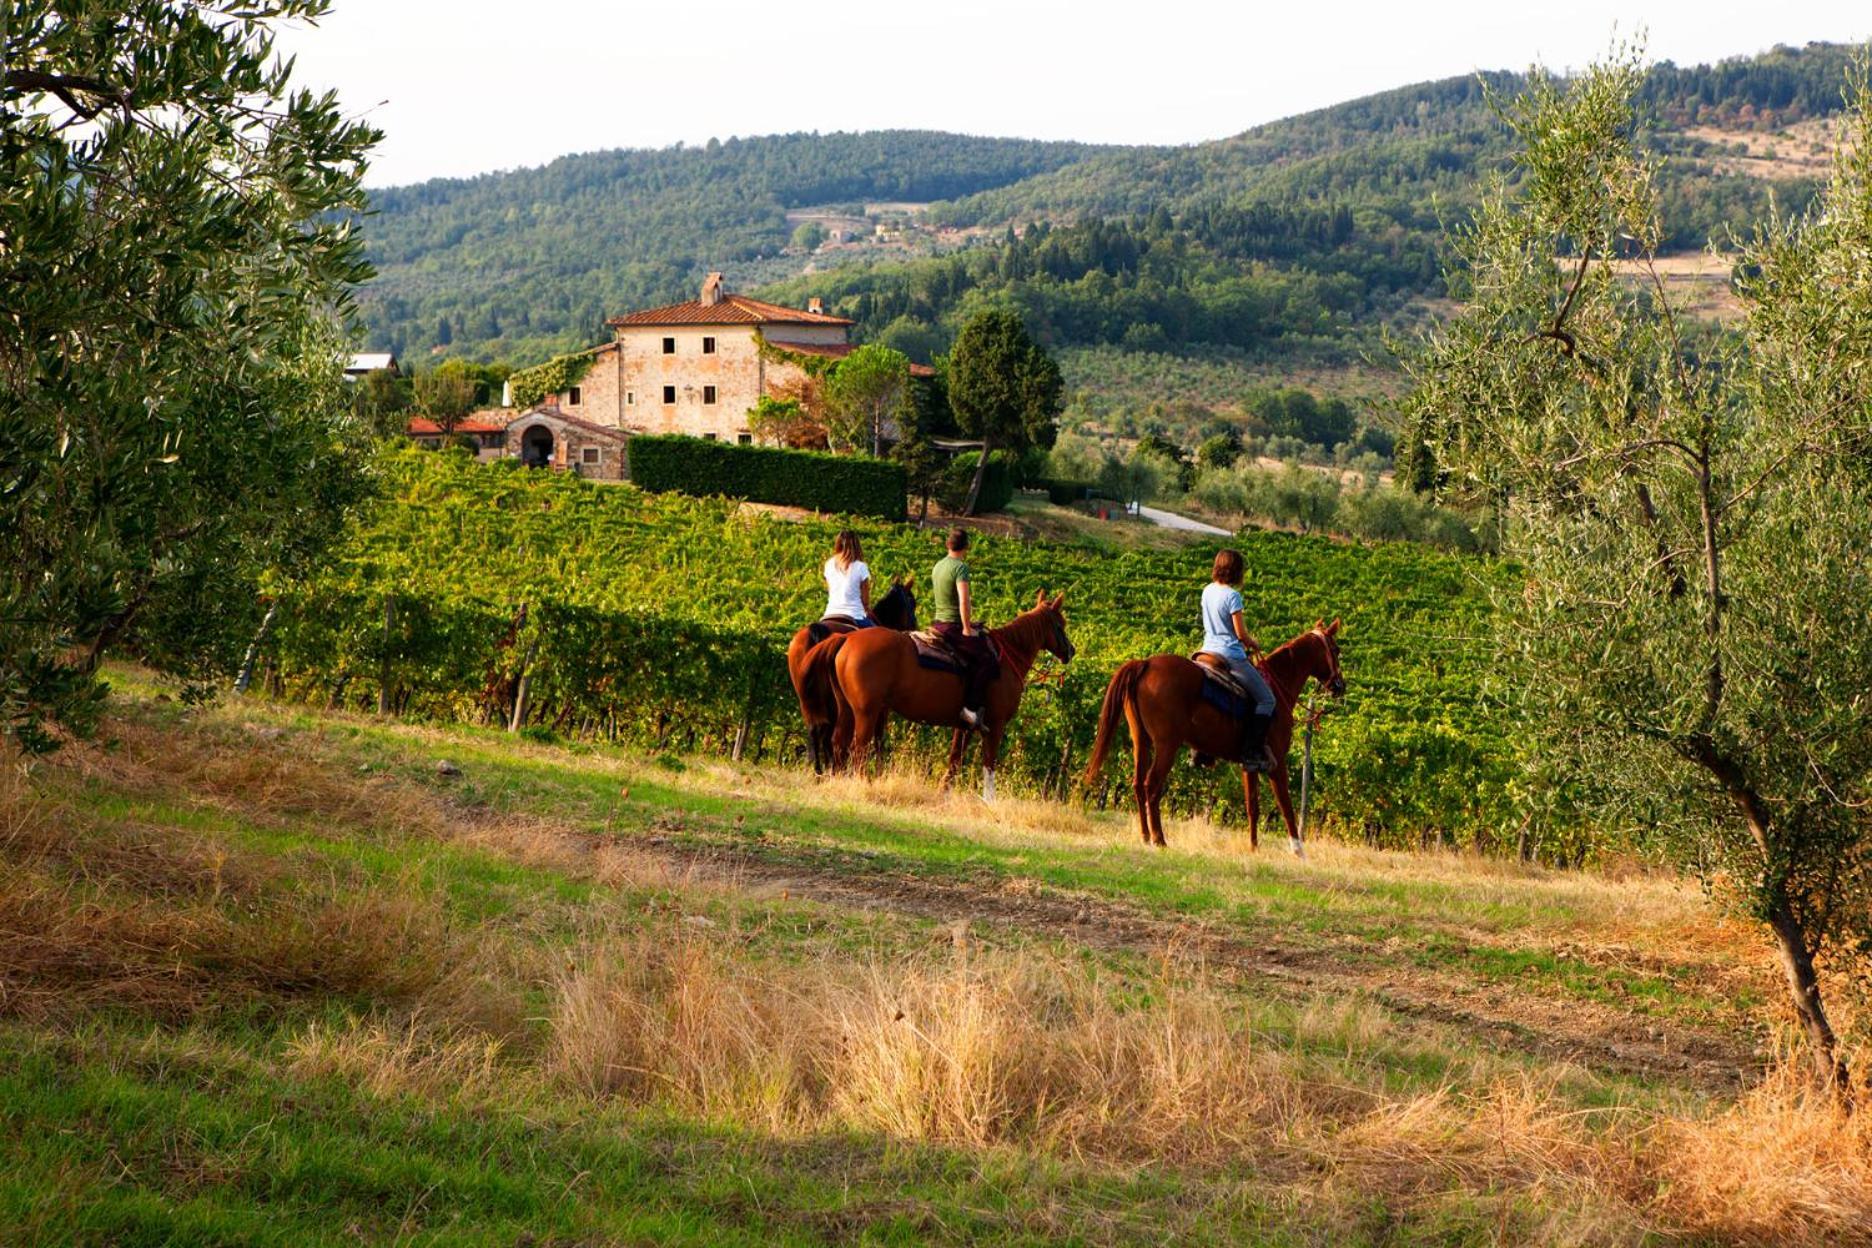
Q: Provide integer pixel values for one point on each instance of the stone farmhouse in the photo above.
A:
(697, 367)
(693, 368)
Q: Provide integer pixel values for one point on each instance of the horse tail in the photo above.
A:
(818, 688)
(1121, 692)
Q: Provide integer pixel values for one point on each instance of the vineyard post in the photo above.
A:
(1306, 775)
(383, 660)
(744, 727)
(253, 649)
(524, 685)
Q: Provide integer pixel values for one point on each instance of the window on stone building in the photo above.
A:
(708, 437)
(745, 439)
(590, 455)
(669, 394)
(630, 398)
(572, 397)
(708, 346)
(669, 346)
(708, 394)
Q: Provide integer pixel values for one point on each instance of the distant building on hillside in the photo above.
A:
(363, 362)
(697, 367)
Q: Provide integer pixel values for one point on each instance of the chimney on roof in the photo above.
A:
(711, 290)
(816, 305)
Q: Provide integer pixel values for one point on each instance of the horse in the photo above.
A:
(896, 610)
(876, 673)
(1161, 700)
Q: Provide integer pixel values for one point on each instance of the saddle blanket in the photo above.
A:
(1221, 690)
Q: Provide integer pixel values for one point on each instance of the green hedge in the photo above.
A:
(1064, 492)
(763, 474)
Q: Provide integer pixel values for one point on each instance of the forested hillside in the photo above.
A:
(1293, 242)
(520, 264)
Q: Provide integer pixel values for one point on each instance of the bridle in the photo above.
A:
(1336, 678)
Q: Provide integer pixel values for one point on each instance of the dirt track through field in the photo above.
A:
(1593, 1035)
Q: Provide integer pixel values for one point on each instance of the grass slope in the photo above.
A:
(271, 977)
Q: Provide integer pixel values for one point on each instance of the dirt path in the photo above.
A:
(1598, 1036)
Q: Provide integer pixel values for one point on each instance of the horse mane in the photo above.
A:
(1024, 628)
(1284, 656)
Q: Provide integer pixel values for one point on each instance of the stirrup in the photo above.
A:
(971, 719)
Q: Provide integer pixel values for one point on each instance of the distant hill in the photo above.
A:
(1290, 242)
(523, 263)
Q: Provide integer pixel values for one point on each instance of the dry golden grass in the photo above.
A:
(98, 912)
(447, 1060)
(1018, 1051)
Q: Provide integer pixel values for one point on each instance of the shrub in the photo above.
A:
(1063, 492)
(762, 474)
(997, 489)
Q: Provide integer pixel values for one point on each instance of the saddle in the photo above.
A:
(1220, 688)
(935, 653)
(819, 630)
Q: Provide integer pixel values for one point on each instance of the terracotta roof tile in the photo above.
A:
(422, 426)
(548, 412)
(731, 310)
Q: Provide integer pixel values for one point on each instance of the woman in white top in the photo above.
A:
(848, 582)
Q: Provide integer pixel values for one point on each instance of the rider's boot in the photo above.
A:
(974, 698)
(1255, 754)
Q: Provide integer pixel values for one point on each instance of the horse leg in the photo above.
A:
(819, 741)
(842, 733)
(1157, 782)
(867, 723)
(1251, 787)
(991, 751)
(1140, 777)
(958, 750)
(1278, 779)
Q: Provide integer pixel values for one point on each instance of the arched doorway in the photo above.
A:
(536, 447)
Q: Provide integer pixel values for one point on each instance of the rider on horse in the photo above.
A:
(1227, 637)
(953, 623)
(848, 583)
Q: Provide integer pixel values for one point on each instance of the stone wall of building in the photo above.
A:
(635, 384)
(542, 437)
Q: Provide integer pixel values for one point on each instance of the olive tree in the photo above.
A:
(1691, 513)
(176, 248)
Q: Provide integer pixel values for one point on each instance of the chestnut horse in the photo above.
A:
(896, 610)
(876, 673)
(1161, 699)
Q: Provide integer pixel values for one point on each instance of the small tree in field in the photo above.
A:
(1692, 514)
(445, 396)
(1004, 389)
(864, 393)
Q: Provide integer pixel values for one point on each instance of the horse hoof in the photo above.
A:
(1299, 850)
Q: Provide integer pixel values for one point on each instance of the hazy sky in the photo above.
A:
(467, 86)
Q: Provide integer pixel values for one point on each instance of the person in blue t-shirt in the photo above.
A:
(1228, 638)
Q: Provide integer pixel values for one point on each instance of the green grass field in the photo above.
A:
(271, 976)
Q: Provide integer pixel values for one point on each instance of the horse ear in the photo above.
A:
(1332, 629)
(1040, 599)
(1059, 600)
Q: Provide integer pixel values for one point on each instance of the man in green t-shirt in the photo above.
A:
(950, 581)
